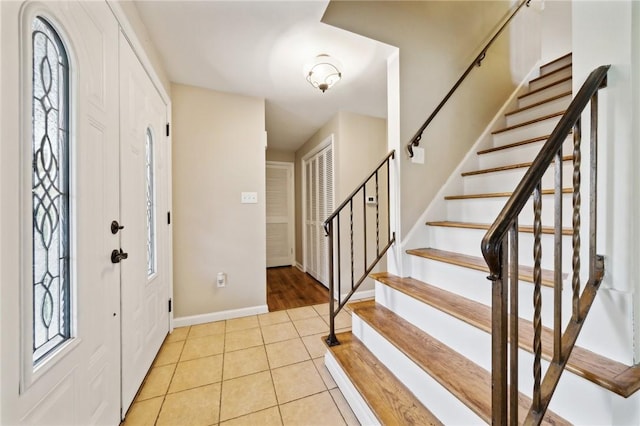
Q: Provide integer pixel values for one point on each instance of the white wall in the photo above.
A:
(556, 29)
(603, 33)
(218, 152)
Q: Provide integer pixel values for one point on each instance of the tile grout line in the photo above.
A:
(164, 397)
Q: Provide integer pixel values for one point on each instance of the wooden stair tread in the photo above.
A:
(617, 377)
(500, 194)
(388, 398)
(485, 226)
(556, 60)
(553, 98)
(508, 167)
(467, 381)
(533, 92)
(550, 73)
(525, 273)
(527, 123)
(515, 144)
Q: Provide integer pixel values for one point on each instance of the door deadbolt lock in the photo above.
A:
(115, 227)
(118, 255)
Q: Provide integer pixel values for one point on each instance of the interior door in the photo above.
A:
(74, 383)
(280, 214)
(144, 207)
(318, 202)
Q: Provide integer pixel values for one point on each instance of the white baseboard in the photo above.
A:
(299, 266)
(358, 405)
(364, 294)
(219, 316)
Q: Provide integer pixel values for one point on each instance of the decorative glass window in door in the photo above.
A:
(151, 204)
(50, 191)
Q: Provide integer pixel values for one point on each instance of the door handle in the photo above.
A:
(115, 227)
(118, 255)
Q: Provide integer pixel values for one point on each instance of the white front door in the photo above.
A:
(144, 207)
(60, 345)
(280, 214)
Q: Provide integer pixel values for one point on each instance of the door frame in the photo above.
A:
(292, 207)
(329, 141)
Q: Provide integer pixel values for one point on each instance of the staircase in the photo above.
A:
(420, 353)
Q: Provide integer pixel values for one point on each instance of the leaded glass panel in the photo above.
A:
(50, 191)
(150, 189)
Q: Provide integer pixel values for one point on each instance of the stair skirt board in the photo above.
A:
(358, 405)
(434, 396)
(475, 345)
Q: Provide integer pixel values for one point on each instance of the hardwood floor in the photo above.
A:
(288, 287)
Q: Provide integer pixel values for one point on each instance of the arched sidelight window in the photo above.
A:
(50, 191)
(151, 203)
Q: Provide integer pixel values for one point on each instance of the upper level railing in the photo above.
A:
(367, 210)
(500, 250)
(415, 140)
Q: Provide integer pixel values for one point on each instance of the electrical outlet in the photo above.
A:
(221, 279)
(249, 197)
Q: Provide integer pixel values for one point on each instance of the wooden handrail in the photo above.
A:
(415, 140)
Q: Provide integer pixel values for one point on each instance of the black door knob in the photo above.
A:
(115, 227)
(118, 255)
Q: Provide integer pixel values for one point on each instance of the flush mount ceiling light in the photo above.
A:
(323, 72)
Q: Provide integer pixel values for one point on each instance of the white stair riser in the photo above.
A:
(475, 345)
(529, 131)
(550, 77)
(440, 274)
(429, 392)
(547, 108)
(466, 282)
(507, 180)
(355, 400)
(596, 412)
(486, 210)
(467, 241)
(520, 154)
(549, 68)
(549, 92)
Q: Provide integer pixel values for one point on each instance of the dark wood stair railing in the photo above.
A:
(332, 230)
(500, 250)
(477, 61)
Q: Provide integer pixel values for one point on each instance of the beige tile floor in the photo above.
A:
(258, 370)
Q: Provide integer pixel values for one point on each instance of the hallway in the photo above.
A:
(259, 370)
(288, 287)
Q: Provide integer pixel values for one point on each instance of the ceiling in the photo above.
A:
(259, 48)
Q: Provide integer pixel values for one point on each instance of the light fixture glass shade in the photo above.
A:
(323, 72)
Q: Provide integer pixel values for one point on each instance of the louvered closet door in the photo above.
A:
(319, 205)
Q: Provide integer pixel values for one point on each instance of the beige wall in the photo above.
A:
(278, 155)
(359, 144)
(437, 41)
(218, 152)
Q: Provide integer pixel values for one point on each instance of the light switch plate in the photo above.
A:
(249, 198)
